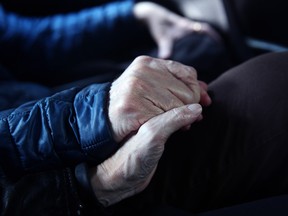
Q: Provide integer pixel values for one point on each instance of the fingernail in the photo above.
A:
(195, 108)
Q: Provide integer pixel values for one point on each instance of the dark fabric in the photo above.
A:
(48, 193)
(237, 153)
(262, 19)
(46, 8)
(276, 206)
(14, 94)
(39, 48)
(59, 192)
(209, 57)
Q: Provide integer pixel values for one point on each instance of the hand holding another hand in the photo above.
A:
(151, 100)
(149, 87)
(131, 168)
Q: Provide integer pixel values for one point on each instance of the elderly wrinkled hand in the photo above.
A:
(131, 168)
(166, 27)
(149, 87)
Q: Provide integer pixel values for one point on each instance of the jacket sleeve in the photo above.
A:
(65, 129)
(59, 39)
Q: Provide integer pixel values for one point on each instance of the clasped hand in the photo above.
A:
(152, 99)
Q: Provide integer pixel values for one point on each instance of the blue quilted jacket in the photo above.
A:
(63, 129)
(32, 44)
(39, 130)
(48, 138)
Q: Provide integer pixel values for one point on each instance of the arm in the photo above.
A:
(63, 39)
(74, 125)
(83, 190)
(66, 128)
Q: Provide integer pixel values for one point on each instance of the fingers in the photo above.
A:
(208, 29)
(188, 75)
(165, 46)
(185, 89)
(201, 28)
(149, 87)
(179, 79)
(205, 99)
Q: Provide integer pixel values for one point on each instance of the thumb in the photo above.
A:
(165, 48)
(152, 135)
(164, 125)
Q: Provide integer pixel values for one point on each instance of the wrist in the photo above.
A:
(99, 186)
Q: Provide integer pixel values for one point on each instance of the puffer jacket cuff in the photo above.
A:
(95, 133)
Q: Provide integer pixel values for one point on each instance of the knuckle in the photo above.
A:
(177, 114)
(172, 63)
(189, 98)
(191, 73)
(132, 83)
(123, 107)
(143, 59)
(125, 104)
(174, 66)
(136, 87)
(141, 65)
(196, 93)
